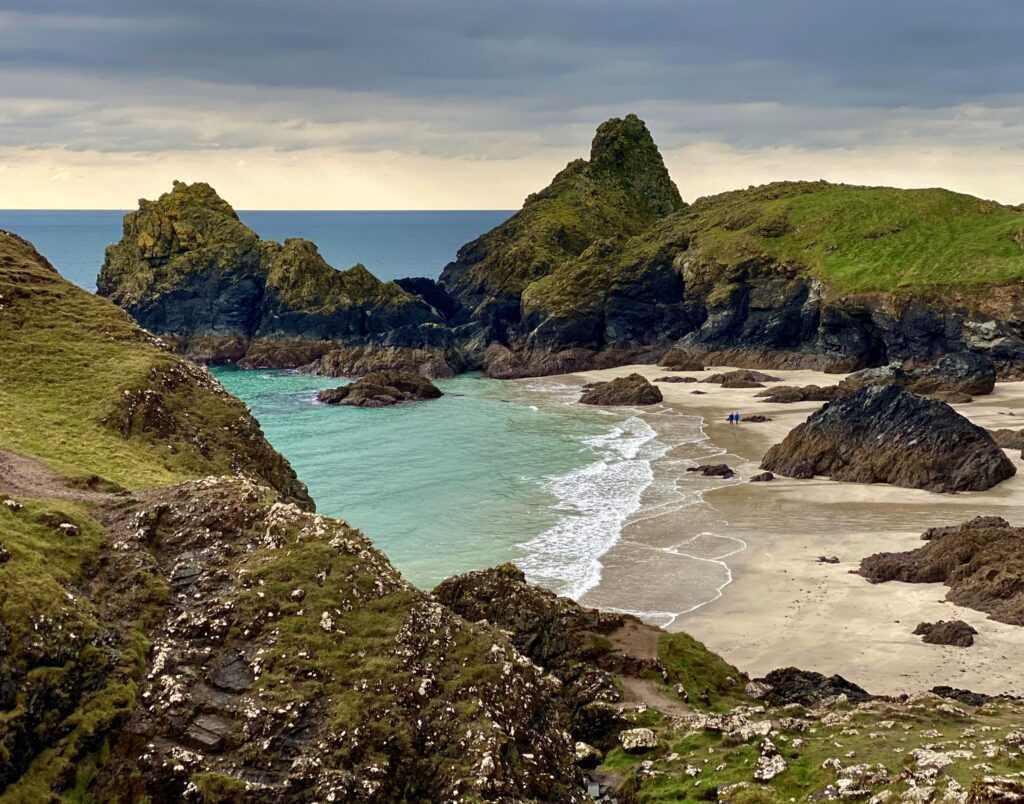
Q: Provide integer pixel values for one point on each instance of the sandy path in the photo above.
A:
(779, 606)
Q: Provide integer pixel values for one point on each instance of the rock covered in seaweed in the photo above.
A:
(633, 389)
(884, 434)
(380, 389)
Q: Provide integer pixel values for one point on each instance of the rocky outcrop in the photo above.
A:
(788, 394)
(958, 373)
(681, 360)
(633, 389)
(884, 434)
(947, 632)
(188, 268)
(981, 561)
(713, 470)
(381, 389)
(740, 378)
(791, 685)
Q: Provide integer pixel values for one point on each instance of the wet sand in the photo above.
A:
(759, 542)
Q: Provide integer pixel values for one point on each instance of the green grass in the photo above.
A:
(860, 239)
(68, 359)
(710, 681)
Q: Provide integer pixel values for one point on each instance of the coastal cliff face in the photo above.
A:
(188, 268)
(603, 267)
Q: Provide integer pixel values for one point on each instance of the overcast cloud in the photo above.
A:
(458, 81)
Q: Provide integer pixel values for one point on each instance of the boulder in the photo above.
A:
(788, 394)
(963, 373)
(741, 378)
(637, 741)
(633, 389)
(981, 562)
(713, 470)
(762, 477)
(675, 379)
(791, 685)
(947, 632)
(884, 434)
(381, 389)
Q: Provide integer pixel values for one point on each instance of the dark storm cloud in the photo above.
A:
(741, 71)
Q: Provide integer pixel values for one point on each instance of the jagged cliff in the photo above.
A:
(604, 266)
(186, 267)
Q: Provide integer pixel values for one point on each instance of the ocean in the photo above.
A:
(493, 471)
(392, 245)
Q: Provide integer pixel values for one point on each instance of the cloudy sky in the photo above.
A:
(453, 104)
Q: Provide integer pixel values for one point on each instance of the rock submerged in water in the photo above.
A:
(947, 632)
(381, 389)
(981, 561)
(885, 434)
(713, 470)
(633, 389)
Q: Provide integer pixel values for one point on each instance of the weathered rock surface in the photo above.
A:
(762, 477)
(947, 632)
(381, 389)
(787, 394)
(681, 360)
(633, 389)
(188, 268)
(740, 378)
(790, 685)
(982, 563)
(954, 375)
(713, 470)
(884, 434)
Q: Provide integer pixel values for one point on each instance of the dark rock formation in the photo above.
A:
(381, 389)
(741, 378)
(188, 268)
(947, 632)
(884, 434)
(675, 379)
(756, 418)
(633, 389)
(790, 685)
(713, 470)
(981, 562)
(762, 477)
(976, 522)
(966, 697)
(561, 636)
(828, 559)
(787, 394)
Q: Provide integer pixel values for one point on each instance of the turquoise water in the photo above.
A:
(493, 471)
(391, 244)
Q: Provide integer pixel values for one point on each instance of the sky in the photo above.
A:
(472, 104)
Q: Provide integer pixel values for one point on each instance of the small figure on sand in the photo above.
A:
(734, 417)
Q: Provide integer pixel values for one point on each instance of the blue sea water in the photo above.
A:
(391, 244)
(493, 471)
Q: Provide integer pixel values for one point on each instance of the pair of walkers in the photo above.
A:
(734, 417)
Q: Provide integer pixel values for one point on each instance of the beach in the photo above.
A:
(737, 565)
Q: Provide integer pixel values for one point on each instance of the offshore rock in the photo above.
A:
(884, 434)
(633, 389)
(381, 389)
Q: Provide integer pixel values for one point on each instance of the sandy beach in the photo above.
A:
(759, 542)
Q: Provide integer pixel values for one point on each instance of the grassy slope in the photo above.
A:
(68, 357)
(866, 238)
(620, 192)
(855, 239)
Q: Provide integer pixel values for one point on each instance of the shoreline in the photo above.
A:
(776, 605)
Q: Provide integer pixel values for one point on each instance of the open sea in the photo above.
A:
(493, 471)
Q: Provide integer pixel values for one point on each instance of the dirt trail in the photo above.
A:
(28, 477)
(638, 639)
